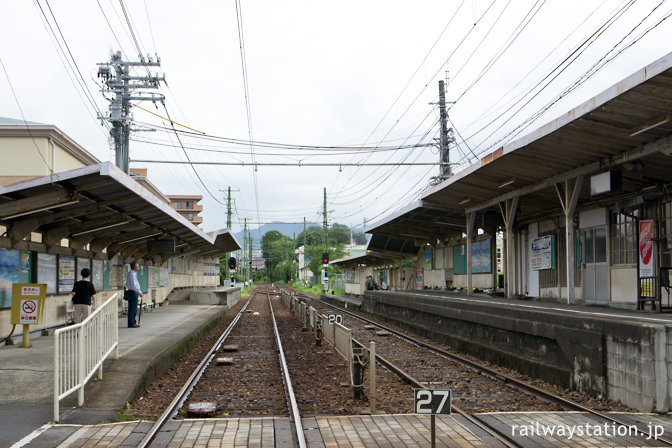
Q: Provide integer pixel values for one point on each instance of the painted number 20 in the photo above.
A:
(336, 318)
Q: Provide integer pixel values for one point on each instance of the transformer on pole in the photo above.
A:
(118, 81)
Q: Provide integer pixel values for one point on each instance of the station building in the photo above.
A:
(61, 210)
(584, 200)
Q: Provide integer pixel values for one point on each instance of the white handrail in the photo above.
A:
(79, 350)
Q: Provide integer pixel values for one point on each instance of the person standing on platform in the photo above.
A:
(369, 283)
(133, 291)
(83, 296)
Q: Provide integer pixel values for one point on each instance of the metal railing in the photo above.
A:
(79, 351)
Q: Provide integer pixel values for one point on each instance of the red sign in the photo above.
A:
(646, 268)
(28, 306)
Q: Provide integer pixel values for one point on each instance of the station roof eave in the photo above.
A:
(417, 223)
(627, 127)
(368, 259)
(101, 207)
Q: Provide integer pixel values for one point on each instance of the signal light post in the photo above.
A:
(232, 268)
(325, 265)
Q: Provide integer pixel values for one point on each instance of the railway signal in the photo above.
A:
(232, 263)
(325, 258)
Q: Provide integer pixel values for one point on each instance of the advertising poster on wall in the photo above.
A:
(66, 274)
(647, 263)
(9, 274)
(481, 257)
(428, 259)
(97, 274)
(541, 253)
(419, 278)
(46, 271)
(164, 276)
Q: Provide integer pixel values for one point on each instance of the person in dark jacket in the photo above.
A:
(83, 296)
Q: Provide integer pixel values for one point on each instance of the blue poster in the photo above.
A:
(481, 257)
(9, 273)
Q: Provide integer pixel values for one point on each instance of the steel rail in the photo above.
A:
(513, 382)
(184, 392)
(294, 408)
(501, 437)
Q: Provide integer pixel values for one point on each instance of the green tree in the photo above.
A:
(277, 250)
(313, 236)
(360, 238)
(338, 234)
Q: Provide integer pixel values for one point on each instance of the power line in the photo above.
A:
(243, 62)
(583, 78)
(256, 164)
(23, 117)
(78, 81)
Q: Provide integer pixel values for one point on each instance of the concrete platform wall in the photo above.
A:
(206, 296)
(626, 361)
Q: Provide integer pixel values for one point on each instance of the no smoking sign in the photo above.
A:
(28, 312)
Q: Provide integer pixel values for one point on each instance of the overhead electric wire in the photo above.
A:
(428, 82)
(130, 28)
(559, 68)
(597, 66)
(191, 164)
(507, 43)
(80, 82)
(243, 62)
(584, 77)
(320, 154)
(340, 194)
(276, 145)
(23, 117)
(396, 100)
(110, 26)
(493, 107)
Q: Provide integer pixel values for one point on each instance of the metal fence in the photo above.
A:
(79, 351)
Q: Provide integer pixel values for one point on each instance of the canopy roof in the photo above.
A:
(102, 206)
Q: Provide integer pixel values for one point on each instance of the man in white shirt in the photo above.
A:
(133, 291)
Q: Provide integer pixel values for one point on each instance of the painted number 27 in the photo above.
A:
(432, 401)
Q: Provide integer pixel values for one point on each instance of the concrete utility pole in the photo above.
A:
(325, 224)
(249, 263)
(244, 247)
(118, 81)
(228, 209)
(446, 135)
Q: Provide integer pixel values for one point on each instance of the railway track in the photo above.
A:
(424, 365)
(262, 387)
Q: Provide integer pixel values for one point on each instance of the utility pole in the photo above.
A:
(445, 137)
(325, 224)
(244, 247)
(228, 210)
(249, 263)
(118, 81)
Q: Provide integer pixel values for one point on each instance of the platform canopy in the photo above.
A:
(104, 208)
(368, 259)
(627, 129)
(407, 229)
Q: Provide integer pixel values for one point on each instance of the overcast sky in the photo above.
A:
(347, 73)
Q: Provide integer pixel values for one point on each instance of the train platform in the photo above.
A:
(533, 430)
(144, 353)
(610, 352)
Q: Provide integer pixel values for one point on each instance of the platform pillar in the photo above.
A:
(508, 210)
(569, 197)
(471, 218)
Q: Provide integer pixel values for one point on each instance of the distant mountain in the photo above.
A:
(287, 229)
